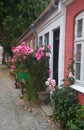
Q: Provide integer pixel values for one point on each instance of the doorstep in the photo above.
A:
(47, 109)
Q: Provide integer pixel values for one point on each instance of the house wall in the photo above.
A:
(1, 53)
(55, 20)
(72, 10)
(29, 39)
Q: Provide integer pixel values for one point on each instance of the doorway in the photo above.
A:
(56, 36)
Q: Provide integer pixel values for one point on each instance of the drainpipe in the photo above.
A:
(35, 34)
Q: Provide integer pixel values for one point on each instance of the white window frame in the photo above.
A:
(78, 17)
(31, 43)
(41, 44)
(46, 39)
(27, 44)
(80, 40)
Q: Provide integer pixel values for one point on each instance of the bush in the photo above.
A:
(78, 122)
(65, 105)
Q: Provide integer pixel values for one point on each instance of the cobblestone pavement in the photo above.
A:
(12, 113)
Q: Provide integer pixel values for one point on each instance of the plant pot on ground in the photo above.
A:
(43, 96)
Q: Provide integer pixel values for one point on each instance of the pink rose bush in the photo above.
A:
(70, 78)
(70, 75)
(20, 55)
(34, 62)
(51, 83)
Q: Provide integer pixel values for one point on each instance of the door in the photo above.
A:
(56, 35)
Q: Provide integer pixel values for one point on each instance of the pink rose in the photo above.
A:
(38, 57)
(48, 71)
(53, 82)
(13, 67)
(48, 46)
(42, 54)
(23, 43)
(71, 75)
(49, 79)
(47, 54)
(24, 57)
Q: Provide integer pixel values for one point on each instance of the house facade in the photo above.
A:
(74, 43)
(51, 30)
(61, 25)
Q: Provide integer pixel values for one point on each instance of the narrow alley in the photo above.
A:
(12, 113)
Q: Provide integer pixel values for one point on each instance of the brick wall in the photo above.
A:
(72, 10)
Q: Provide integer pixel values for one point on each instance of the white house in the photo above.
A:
(50, 28)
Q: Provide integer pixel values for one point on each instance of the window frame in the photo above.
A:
(77, 41)
(41, 39)
(46, 39)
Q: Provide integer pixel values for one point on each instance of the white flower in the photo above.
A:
(47, 83)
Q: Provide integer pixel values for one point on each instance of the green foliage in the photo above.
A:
(31, 90)
(19, 14)
(65, 105)
(40, 74)
(78, 122)
(15, 17)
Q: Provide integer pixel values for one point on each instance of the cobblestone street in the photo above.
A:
(12, 113)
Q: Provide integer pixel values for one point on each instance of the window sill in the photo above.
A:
(78, 88)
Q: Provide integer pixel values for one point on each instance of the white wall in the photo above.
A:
(1, 52)
(55, 20)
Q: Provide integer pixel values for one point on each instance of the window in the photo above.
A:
(31, 43)
(78, 61)
(79, 48)
(79, 28)
(27, 44)
(40, 41)
(46, 39)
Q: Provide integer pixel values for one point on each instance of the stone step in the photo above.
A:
(47, 109)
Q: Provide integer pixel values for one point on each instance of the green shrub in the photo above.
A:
(78, 122)
(65, 105)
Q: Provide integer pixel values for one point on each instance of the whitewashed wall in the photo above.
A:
(55, 20)
(1, 53)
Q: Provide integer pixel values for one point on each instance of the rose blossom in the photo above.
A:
(47, 83)
(71, 75)
(48, 71)
(48, 46)
(47, 54)
(49, 79)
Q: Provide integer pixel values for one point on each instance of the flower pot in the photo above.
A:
(43, 96)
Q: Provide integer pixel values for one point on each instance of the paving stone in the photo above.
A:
(12, 113)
